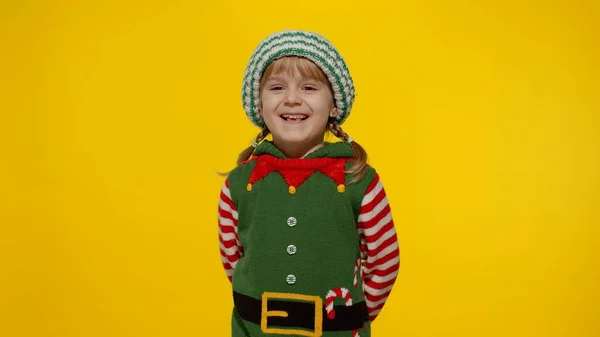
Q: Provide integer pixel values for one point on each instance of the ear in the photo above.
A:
(333, 113)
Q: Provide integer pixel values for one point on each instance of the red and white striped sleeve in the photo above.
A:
(379, 247)
(228, 237)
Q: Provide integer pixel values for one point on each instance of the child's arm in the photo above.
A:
(379, 246)
(228, 237)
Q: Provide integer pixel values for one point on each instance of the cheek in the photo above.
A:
(322, 107)
(269, 104)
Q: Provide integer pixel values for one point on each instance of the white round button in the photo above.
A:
(291, 279)
(291, 221)
(291, 249)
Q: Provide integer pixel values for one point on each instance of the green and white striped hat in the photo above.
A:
(298, 43)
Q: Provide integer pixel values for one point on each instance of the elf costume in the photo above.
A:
(308, 252)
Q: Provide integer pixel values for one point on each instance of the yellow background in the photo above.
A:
(115, 116)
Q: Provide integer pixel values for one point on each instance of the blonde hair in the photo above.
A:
(307, 68)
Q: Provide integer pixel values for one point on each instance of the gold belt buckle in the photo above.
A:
(266, 296)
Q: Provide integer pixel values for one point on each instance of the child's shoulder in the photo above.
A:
(237, 178)
(242, 169)
(358, 184)
(370, 172)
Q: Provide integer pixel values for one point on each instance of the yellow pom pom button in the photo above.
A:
(292, 189)
(341, 188)
(249, 187)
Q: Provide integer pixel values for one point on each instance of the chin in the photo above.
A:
(300, 133)
(288, 139)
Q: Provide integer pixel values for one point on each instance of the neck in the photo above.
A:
(298, 150)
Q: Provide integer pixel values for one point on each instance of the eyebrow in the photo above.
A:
(275, 78)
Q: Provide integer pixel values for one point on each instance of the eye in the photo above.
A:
(310, 88)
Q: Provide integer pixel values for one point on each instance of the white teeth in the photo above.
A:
(286, 116)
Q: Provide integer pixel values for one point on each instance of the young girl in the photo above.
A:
(306, 232)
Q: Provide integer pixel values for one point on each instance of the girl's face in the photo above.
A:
(296, 105)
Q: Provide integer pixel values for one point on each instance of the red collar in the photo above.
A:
(296, 171)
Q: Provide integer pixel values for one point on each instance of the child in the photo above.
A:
(306, 233)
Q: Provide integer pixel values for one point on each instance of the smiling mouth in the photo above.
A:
(294, 117)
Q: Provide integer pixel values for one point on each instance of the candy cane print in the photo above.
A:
(332, 295)
(356, 271)
(330, 298)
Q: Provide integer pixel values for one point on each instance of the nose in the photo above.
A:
(291, 98)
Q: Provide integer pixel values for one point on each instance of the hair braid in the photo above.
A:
(359, 168)
(247, 152)
(337, 131)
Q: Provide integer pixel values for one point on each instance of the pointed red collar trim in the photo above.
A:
(296, 171)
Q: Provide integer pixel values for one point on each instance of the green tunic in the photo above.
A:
(297, 241)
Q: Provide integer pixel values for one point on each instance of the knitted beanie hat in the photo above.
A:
(298, 43)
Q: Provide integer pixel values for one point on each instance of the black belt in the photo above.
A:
(302, 312)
